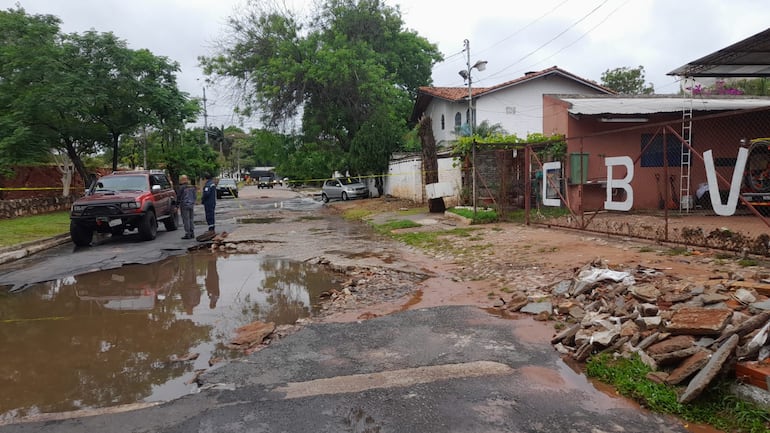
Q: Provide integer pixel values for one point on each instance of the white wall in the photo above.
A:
(519, 109)
(404, 179)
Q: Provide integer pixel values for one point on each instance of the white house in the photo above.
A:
(517, 105)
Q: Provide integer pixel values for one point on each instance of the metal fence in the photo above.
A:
(700, 180)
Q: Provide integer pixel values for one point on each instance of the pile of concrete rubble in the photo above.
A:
(688, 333)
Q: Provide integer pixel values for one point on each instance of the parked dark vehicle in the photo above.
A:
(227, 187)
(125, 200)
(343, 189)
(265, 182)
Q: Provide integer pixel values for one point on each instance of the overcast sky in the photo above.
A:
(584, 37)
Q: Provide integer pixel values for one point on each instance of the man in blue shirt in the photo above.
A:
(209, 200)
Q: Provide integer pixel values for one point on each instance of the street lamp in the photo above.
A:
(480, 65)
(205, 114)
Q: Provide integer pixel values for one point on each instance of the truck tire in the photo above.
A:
(81, 234)
(148, 227)
(172, 222)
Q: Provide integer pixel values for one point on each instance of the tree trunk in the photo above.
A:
(430, 162)
(76, 161)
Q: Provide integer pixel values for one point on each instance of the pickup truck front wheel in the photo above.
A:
(81, 234)
(148, 228)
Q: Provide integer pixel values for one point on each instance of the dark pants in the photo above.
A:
(209, 215)
(187, 220)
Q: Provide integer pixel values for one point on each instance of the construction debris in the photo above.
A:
(689, 333)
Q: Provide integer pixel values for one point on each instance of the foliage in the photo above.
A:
(547, 147)
(720, 87)
(627, 81)
(717, 407)
(483, 216)
(78, 94)
(34, 227)
(395, 225)
(351, 69)
(755, 86)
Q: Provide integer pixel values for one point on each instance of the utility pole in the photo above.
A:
(205, 117)
(466, 74)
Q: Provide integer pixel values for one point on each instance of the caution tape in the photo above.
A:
(42, 188)
(36, 319)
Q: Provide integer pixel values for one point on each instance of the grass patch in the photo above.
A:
(716, 407)
(395, 225)
(483, 216)
(413, 211)
(546, 212)
(30, 228)
(677, 251)
(646, 249)
(356, 214)
(748, 262)
(432, 240)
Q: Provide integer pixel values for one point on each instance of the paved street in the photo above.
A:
(444, 369)
(437, 368)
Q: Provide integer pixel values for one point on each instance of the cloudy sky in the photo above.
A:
(584, 37)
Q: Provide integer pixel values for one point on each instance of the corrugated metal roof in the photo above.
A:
(652, 105)
(747, 58)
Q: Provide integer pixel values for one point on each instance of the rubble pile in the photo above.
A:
(688, 333)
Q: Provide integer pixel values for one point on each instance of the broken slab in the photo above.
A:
(710, 371)
(671, 344)
(252, 334)
(698, 321)
(688, 367)
(668, 358)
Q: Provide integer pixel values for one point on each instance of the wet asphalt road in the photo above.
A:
(444, 369)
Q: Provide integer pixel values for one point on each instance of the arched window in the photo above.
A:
(443, 122)
(458, 120)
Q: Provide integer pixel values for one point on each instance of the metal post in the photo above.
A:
(205, 117)
(470, 123)
(466, 74)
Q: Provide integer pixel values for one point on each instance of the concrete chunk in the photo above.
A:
(672, 344)
(710, 371)
(688, 367)
(699, 321)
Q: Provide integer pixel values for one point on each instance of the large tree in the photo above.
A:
(351, 69)
(627, 81)
(77, 93)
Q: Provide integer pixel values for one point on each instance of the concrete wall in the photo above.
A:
(404, 179)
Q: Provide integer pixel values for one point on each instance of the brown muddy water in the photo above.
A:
(114, 337)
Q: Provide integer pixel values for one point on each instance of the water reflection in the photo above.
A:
(109, 337)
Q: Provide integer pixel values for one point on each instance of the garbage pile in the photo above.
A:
(687, 333)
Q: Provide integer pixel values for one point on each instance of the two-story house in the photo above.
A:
(516, 105)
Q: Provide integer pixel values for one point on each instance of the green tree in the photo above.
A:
(352, 69)
(627, 81)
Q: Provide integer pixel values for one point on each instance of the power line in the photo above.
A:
(550, 40)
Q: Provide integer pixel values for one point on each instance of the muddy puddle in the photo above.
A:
(114, 337)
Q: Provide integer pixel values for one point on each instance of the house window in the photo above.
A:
(653, 156)
(458, 120)
(443, 122)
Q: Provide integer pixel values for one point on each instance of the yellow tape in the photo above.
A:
(31, 189)
(37, 319)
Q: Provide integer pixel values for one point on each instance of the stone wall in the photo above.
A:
(34, 206)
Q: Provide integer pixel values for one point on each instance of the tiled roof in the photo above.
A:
(457, 94)
(451, 93)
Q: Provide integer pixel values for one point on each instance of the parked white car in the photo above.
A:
(343, 189)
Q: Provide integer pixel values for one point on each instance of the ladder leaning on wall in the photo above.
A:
(685, 200)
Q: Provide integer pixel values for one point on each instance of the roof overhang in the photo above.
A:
(749, 58)
(657, 105)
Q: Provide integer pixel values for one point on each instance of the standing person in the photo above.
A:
(187, 195)
(209, 200)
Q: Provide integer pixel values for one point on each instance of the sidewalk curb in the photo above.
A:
(16, 252)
